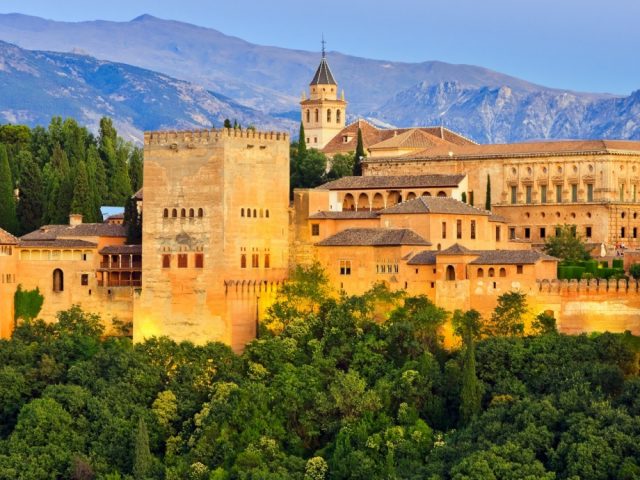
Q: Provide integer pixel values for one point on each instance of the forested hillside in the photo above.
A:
(63, 169)
(326, 392)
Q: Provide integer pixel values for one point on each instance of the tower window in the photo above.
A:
(192, 213)
(166, 261)
(267, 260)
(199, 260)
(338, 114)
(165, 213)
(242, 212)
(174, 213)
(328, 115)
(58, 280)
(243, 260)
(317, 115)
(308, 116)
(84, 279)
(255, 260)
(200, 212)
(182, 260)
(183, 213)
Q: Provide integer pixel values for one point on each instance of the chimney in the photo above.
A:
(75, 219)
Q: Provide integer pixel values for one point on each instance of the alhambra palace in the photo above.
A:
(220, 233)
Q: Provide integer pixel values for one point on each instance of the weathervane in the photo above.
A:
(323, 44)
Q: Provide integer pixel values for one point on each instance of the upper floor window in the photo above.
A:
(338, 116)
(255, 260)
(345, 267)
(558, 193)
(182, 260)
(308, 116)
(473, 229)
(317, 115)
(444, 229)
(315, 229)
(58, 280)
(458, 229)
(200, 212)
(528, 194)
(328, 115)
(199, 260)
(574, 192)
(543, 193)
(514, 194)
(166, 260)
(589, 192)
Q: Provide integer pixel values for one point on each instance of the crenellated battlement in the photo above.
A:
(592, 286)
(189, 138)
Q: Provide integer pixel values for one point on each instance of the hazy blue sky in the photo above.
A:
(589, 45)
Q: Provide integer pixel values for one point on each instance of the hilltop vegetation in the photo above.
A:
(327, 391)
(63, 169)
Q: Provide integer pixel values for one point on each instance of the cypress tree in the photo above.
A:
(227, 123)
(52, 189)
(135, 169)
(487, 202)
(359, 155)
(302, 141)
(467, 325)
(64, 195)
(82, 202)
(119, 182)
(8, 218)
(97, 180)
(133, 222)
(142, 459)
(31, 204)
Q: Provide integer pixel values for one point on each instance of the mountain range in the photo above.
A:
(186, 76)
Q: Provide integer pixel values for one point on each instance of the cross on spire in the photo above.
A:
(323, 45)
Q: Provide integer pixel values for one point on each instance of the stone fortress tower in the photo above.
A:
(323, 114)
(215, 235)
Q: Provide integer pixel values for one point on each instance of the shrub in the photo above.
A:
(634, 270)
(617, 263)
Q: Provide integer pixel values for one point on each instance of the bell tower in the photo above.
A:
(323, 113)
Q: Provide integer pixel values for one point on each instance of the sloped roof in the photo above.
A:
(346, 214)
(122, 249)
(497, 218)
(456, 249)
(376, 237)
(53, 232)
(323, 74)
(525, 149)
(56, 243)
(426, 257)
(506, 257)
(412, 138)
(393, 181)
(6, 238)
(434, 205)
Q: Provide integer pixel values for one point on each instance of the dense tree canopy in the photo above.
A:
(329, 390)
(567, 245)
(63, 169)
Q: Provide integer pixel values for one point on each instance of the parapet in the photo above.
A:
(190, 138)
(592, 286)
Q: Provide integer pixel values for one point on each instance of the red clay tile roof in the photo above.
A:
(374, 237)
(484, 257)
(6, 238)
(394, 181)
(53, 232)
(412, 138)
(121, 250)
(434, 205)
(56, 243)
(535, 149)
(346, 214)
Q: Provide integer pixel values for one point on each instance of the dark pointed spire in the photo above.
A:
(323, 74)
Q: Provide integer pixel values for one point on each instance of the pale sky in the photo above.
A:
(584, 45)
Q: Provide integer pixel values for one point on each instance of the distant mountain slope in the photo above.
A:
(36, 85)
(485, 105)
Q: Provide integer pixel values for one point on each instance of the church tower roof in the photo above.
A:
(323, 74)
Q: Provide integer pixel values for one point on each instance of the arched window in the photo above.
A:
(165, 213)
(338, 116)
(249, 212)
(192, 213)
(308, 116)
(200, 212)
(328, 115)
(492, 272)
(242, 212)
(58, 280)
(243, 260)
(183, 212)
(426, 194)
(363, 201)
(411, 196)
(349, 202)
(503, 272)
(267, 260)
(174, 213)
(317, 115)
(255, 213)
(266, 213)
(442, 193)
(378, 201)
(451, 272)
(480, 273)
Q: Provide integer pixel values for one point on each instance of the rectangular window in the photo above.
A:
(635, 232)
(574, 192)
(471, 198)
(543, 232)
(255, 260)
(267, 260)
(315, 229)
(473, 229)
(514, 195)
(587, 232)
(243, 260)
(590, 192)
(558, 193)
(444, 229)
(527, 232)
(528, 194)
(182, 260)
(166, 261)
(199, 260)
(543, 193)
(497, 233)
(84, 279)
(622, 232)
(519, 268)
(345, 267)
(512, 233)
(458, 229)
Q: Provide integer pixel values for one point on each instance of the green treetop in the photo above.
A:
(8, 218)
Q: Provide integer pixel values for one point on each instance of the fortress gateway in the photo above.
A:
(220, 234)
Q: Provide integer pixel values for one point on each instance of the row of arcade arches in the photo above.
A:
(377, 200)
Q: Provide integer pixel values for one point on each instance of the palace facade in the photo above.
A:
(220, 235)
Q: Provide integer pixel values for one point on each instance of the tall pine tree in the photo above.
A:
(467, 325)
(31, 204)
(302, 141)
(97, 180)
(142, 455)
(359, 155)
(135, 169)
(82, 202)
(8, 218)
